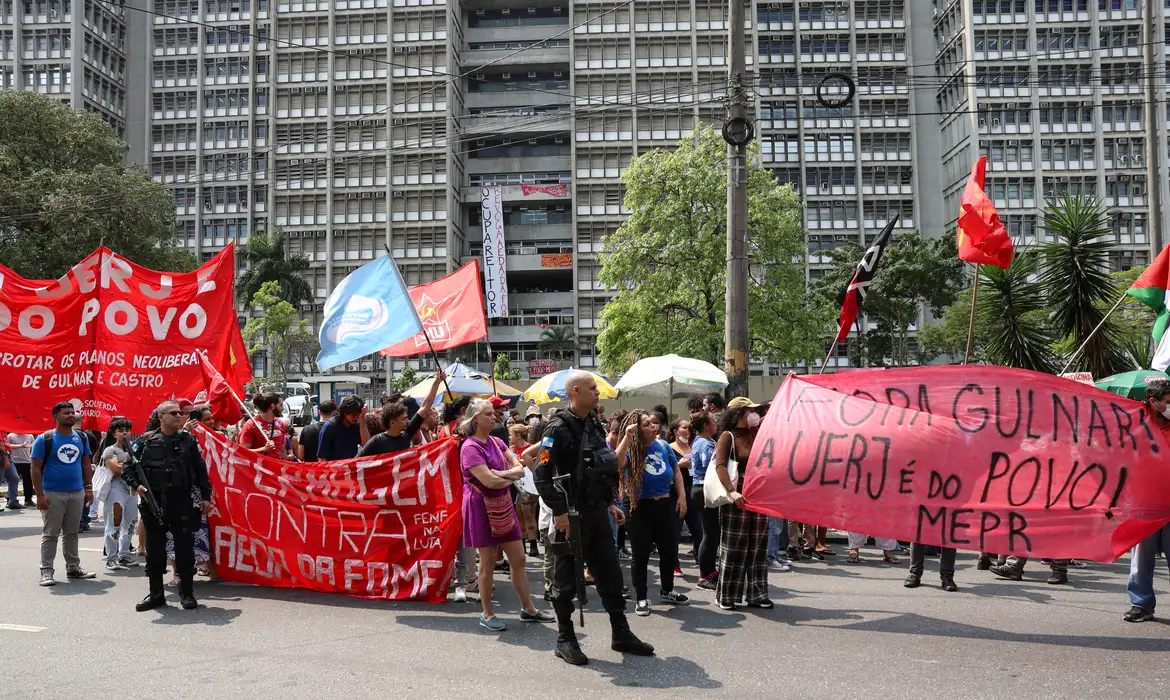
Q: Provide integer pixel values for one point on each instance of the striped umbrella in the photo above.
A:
(551, 387)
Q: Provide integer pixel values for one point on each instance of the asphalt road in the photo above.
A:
(839, 631)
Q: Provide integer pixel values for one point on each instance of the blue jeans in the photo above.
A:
(13, 478)
(777, 538)
(1141, 568)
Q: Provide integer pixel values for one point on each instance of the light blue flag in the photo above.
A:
(368, 311)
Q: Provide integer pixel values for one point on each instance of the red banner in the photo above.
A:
(111, 337)
(982, 458)
(451, 310)
(551, 190)
(383, 527)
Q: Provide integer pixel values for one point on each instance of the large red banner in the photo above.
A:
(451, 311)
(380, 527)
(111, 337)
(980, 458)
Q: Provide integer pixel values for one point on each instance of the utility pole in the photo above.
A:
(1154, 151)
(737, 132)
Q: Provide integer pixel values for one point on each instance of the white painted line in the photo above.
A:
(21, 628)
(91, 549)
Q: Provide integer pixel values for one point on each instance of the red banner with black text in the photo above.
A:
(113, 338)
(384, 527)
(982, 458)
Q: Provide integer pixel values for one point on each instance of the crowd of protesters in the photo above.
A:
(75, 477)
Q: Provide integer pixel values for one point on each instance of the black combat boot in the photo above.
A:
(187, 593)
(567, 648)
(155, 599)
(984, 562)
(913, 580)
(1058, 578)
(948, 583)
(624, 640)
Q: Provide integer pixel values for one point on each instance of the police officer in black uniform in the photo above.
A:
(171, 465)
(594, 469)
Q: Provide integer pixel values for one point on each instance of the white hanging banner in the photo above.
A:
(495, 276)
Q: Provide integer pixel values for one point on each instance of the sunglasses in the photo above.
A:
(172, 413)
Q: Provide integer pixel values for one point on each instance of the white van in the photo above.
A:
(298, 403)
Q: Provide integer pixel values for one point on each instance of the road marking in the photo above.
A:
(21, 628)
(91, 549)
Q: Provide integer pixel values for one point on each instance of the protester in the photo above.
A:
(500, 429)
(1144, 556)
(679, 436)
(713, 403)
(574, 445)
(702, 452)
(398, 430)
(172, 467)
(453, 413)
(20, 446)
(266, 432)
(119, 504)
(743, 544)
(857, 541)
(311, 433)
(777, 543)
(63, 480)
(489, 518)
(649, 473)
(374, 419)
(345, 433)
(8, 471)
(90, 512)
(946, 567)
(526, 503)
(1012, 568)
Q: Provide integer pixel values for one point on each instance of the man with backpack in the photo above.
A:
(63, 480)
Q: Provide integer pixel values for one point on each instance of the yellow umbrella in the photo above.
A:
(551, 387)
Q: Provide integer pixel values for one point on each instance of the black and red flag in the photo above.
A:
(854, 292)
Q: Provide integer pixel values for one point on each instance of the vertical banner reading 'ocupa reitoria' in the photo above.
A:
(495, 277)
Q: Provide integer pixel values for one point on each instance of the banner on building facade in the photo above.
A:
(495, 274)
(451, 310)
(1000, 460)
(383, 527)
(113, 338)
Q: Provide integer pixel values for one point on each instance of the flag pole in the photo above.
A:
(832, 349)
(1076, 354)
(426, 335)
(971, 322)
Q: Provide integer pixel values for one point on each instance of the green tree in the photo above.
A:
(915, 271)
(407, 378)
(668, 262)
(1134, 322)
(947, 336)
(1076, 280)
(503, 368)
(1012, 305)
(279, 331)
(64, 189)
(268, 261)
(557, 340)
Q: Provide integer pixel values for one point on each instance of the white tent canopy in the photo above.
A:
(671, 376)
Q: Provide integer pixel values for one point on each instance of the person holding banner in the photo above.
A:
(743, 534)
(265, 432)
(398, 428)
(345, 433)
(489, 517)
(1145, 555)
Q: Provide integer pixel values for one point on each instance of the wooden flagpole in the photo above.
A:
(1072, 358)
(971, 322)
(426, 335)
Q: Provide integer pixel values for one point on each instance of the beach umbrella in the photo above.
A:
(462, 386)
(671, 376)
(551, 387)
(1130, 384)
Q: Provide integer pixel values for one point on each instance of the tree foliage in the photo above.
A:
(667, 262)
(268, 261)
(503, 368)
(556, 340)
(1078, 286)
(915, 271)
(407, 378)
(64, 189)
(1012, 304)
(280, 332)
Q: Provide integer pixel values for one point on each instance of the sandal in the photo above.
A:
(854, 557)
(827, 551)
(891, 559)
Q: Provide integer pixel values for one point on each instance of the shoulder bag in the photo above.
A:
(714, 493)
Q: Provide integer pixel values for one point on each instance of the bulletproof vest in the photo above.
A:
(166, 461)
(596, 472)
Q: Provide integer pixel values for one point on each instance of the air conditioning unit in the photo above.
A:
(506, 76)
(982, 123)
(367, 195)
(411, 49)
(532, 10)
(995, 123)
(295, 161)
(322, 88)
(1137, 160)
(399, 122)
(480, 13)
(560, 207)
(379, 195)
(398, 193)
(294, 234)
(295, 90)
(506, 11)
(1124, 160)
(559, 139)
(397, 49)
(1138, 190)
(558, 73)
(480, 142)
(531, 142)
(351, 195)
(480, 76)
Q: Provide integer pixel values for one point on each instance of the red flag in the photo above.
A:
(854, 292)
(225, 404)
(230, 359)
(451, 310)
(983, 240)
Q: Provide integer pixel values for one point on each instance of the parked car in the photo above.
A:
(299, 404)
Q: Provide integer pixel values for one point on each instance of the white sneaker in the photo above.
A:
(47, 579)
(781, 566)
(642, 609)
(460, 594)
(113, 565)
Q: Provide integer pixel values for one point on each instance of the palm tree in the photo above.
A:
(558, 339)
(1012, 307)
(269, 262)
(1077, 283)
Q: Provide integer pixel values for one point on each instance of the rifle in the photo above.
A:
(563, 483)
(151, 502)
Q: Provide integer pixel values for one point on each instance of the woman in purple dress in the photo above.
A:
(489, 518)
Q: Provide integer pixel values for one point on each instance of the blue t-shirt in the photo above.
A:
(338, 441)
(61, 462)
(702, 452)
(658, 474)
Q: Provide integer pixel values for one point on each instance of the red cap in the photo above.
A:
(185, 403)
(497, 402)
